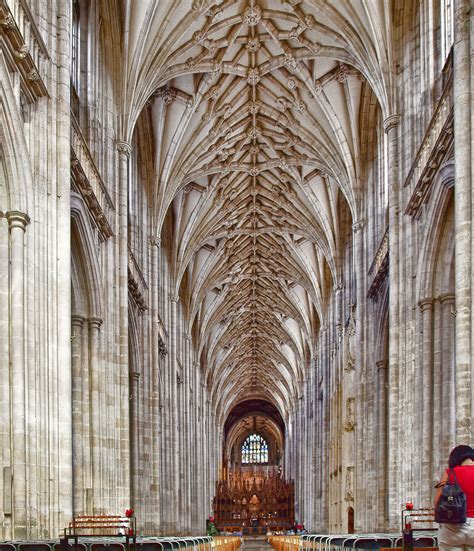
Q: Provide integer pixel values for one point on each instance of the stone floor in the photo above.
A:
(257, 543)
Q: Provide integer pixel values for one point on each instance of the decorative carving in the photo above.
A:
(350, 362)
(349, 425)
(8, 23)
(33, 76)
(136, 292)
(342, 73)
(253, 45)
(162, 350)
(123, 147)
(155, 241)
(359, 225)
(349, 496)
(391, 122)
(253, 76)
(26, 58)
(435, 149)
(22, 52)
(379, 268)
(90, 186)
(252, 16)
(199, 5)
(254, 107)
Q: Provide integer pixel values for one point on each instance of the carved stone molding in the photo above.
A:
(359, 225)
(137, 291)
(17, 219)
(77, 320)
(379, 269)
(426, 304)
(90, 186)
(162, 350)
(391, 122)
(22, 57)
(95, 323)
(124, 148)
(155, 241)
(447, 298)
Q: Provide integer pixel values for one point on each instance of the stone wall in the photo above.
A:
(386, 395)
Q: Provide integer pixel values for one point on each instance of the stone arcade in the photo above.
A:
(222, 219)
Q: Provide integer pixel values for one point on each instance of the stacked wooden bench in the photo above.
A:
(101, 526)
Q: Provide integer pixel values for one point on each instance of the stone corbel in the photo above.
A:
(349, 425)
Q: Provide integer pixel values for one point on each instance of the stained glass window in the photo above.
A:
(254, 450)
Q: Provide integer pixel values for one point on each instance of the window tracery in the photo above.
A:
(254, 450)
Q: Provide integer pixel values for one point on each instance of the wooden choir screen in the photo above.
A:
(254, 505)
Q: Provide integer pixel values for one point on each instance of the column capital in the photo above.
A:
(17, 219)
(338, 287)
(381, 364)
(426, 304)
(391, 122)
(77, 320)
(447, 298)
(95, 323)
(173, 298)
(156, 241)
(123, 147)
(358, 225)
(135, 375)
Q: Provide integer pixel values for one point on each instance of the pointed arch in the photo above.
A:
(13, 148)
(85, 262)
(436, 219)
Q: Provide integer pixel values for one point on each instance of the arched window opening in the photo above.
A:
(254, 450)
(75, 45)
(447, 27)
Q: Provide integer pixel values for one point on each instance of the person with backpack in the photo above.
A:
(454, 501)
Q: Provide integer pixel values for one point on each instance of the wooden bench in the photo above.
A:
(101, 526)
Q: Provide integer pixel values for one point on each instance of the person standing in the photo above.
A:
(458, 537)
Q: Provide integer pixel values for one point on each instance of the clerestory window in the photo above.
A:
(254, 450)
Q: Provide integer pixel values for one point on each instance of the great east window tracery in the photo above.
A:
(254, 450)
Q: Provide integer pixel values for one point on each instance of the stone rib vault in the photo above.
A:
(220, 218)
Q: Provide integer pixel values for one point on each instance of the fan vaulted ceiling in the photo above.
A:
(256, 112)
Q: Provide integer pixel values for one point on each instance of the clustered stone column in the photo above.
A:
(18, 222)
(426, 448)
(77, 323)
(391, 128)
(124, 150)
(463, 153)
(96, 399)
(134, 439)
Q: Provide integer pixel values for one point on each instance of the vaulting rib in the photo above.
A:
(259, 150)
